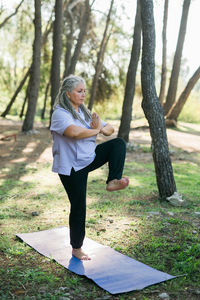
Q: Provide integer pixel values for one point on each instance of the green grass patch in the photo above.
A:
(191, 110)
(187, 177)
(132, 221)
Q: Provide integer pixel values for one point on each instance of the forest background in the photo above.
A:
(16, 54)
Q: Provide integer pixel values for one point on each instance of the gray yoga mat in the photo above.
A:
(109, 269)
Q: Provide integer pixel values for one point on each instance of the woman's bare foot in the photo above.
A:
(117, 184)
(78, 253)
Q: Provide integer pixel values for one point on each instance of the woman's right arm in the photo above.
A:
(78, 132)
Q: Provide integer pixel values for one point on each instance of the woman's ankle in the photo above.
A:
(80, 254)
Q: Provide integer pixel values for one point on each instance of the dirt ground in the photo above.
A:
(17, 147)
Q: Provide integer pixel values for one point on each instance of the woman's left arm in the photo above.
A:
(107, 130)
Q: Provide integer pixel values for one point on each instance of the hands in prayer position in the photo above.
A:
(96, 122)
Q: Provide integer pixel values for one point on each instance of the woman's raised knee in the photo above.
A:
(120, 142)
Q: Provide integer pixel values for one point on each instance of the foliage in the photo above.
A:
(191, 110)
(16, 53)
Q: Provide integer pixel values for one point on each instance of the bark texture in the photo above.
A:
(178, 106)
(126, 117)
(69, 43)
(152, 107)
(171, 94)
(56, 55)
(45, 100)
(25, 100)
(35, 71)
(164, 55)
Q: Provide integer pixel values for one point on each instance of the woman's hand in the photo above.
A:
(107, 130)
(96, 122)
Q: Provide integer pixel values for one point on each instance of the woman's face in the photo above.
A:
(77, 96)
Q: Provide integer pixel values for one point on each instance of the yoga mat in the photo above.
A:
(109, 269)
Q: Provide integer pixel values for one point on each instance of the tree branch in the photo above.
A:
(14, 13)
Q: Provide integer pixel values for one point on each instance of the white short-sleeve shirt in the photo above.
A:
(69, 153)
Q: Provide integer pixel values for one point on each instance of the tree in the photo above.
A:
(152, 107)
(70, 38)
(83, 31)
(45, 100)
(70, 22)
(57, 48)
(171, 95)
(176, 109)
(11, 15)
(6, 111)
(25, 100)
(100, 58)
(126, 117)
(164, 55)
(23, 81)
(35, 71)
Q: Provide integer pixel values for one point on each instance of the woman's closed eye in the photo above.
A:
(82, 91)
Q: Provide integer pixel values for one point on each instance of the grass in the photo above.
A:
(132, 221)
(191, 110)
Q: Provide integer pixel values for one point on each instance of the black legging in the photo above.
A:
(75, 184)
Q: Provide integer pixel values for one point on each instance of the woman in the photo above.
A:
(75, 154)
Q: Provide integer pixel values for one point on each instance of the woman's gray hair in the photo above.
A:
(68, 85)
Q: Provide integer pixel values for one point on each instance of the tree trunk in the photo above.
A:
(152, 107)
(100, 58)
(68, 52)
(83, 31)
(126, 117)
(23, 107)
(164, 55)
(70, 36)
(47, 31)
(45, 100)
(25, 100)
(56, 56)
(178, 106)
(171, 95)
(6, 111)
(35, 71)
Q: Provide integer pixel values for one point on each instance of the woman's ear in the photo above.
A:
(68, 94)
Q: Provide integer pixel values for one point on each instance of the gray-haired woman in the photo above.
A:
(75, 154)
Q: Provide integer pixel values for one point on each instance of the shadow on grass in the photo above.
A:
(186, 129)
(17, 157)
